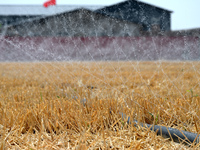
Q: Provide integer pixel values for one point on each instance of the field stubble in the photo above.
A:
(42, 104)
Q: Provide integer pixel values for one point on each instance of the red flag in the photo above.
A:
(50, 2)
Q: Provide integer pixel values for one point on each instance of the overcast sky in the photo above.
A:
(185, 12)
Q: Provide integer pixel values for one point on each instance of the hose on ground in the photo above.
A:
(176, 135)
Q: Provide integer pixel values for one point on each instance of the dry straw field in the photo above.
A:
(77, 105)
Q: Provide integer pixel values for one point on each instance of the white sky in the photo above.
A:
(185, 12)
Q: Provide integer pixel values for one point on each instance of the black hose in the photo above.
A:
(176, 135)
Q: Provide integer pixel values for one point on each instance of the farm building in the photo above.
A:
(80, 22)
(149, 16)
(189, 32)
(128, 18)
(121, 31)
(14, 14)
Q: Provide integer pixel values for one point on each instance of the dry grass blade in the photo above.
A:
(78, 105)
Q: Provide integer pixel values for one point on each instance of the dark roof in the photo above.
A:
(36, 19)
(139, 2)
(155, 6)
(35, 10)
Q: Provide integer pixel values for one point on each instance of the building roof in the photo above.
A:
(81, 10)
(139, 2)
(155, 6)
(35, 10)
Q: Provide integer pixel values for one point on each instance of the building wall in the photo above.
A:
(81, 22)
(13, 19)
(189, 32)
(139, 13)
